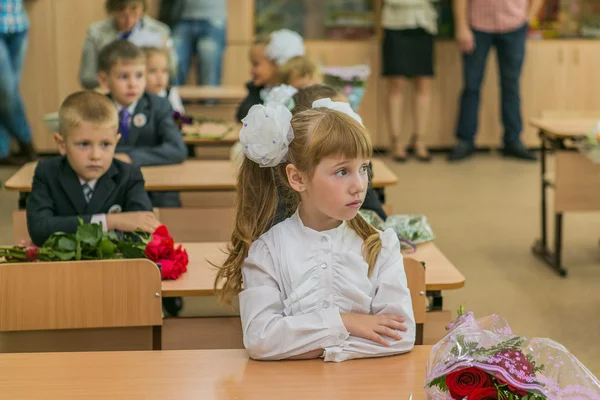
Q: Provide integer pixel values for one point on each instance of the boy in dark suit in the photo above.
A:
(85, 181)
(149, 135)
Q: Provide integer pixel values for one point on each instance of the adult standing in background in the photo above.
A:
(127, 20)
(14, 27)
(407, 51)
(199, 29)
(481, 24)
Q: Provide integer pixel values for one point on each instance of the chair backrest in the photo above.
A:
(20, 232)
(198, 224)
(571, 114)
(415, 275)
(69, 306)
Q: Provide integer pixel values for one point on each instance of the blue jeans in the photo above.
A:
(510, 48)
(13, 121)
(206, 40)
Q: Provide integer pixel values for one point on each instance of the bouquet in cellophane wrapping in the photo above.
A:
(481, 359)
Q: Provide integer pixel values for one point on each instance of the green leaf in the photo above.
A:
(64, 255)
(78, 251)
(112, 235)
(130, 251)
(89, 234)
(107, 248)
(66, 243)
(440, 382)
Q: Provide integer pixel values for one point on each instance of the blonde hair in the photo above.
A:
(150, 51)
(299, 65)
(318, 133)
(88, 106)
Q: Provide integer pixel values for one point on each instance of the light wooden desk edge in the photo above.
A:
(208, 374)
(564, 127)
(221, 176)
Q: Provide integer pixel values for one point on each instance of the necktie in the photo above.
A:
(87, 192)
(124, 124)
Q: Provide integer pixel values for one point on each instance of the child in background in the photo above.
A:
(322, 283)
(148, 133)
(267, 54)
(85, 181)
(157, 77)
(299, 72)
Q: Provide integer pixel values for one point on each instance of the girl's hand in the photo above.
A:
(374, 327)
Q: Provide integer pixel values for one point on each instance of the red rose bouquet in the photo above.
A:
(91, 243)
(482, 359)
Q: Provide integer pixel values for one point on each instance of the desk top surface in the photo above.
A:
(191, 175)
(564, 127)
(233, 93)
(440, 273)
(208, 375)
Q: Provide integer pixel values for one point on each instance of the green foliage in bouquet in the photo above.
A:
(88, 243)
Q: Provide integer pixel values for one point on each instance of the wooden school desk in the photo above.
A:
(191, 175)
(576, 184)
(208, 375)
(223, 143)
(440, 273)
(223, 93)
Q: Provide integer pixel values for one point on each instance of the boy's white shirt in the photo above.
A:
(174, 98)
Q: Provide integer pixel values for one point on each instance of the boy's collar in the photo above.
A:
(131, 107)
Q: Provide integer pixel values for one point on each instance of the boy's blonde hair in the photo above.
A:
(300, 66)
(88, 106)
(119, 51)
(318, 133)
(150, 51)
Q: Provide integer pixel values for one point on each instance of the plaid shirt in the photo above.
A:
(13, 17)
(498, 16)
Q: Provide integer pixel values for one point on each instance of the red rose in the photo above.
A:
(161, 231)
(462, 383)
(487, 393)
(166, 252)
(152, 251)
(167, 269)
(31, 254)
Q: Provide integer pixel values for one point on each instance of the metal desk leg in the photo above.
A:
(557, 262)
(540, 247)
(22, 202)
(191, 150)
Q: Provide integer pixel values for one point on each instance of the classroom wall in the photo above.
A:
(558, 74)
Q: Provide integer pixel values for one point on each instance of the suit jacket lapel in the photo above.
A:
(72, 187)
(135, 131)
(102, 191)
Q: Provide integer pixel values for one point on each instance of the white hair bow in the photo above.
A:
(337, 106)
(284, 44)
(267, 133)
(282, 94)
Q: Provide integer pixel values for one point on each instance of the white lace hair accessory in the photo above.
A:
(337, 106)
(267, 133)
(282, 94)
(284, 44)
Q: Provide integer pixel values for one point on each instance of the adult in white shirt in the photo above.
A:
(323, 283)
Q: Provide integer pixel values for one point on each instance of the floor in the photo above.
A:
(485, 213)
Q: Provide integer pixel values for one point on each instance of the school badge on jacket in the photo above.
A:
(139, 120)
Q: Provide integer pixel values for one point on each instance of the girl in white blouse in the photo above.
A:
(322, 283)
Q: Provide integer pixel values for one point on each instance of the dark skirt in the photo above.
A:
(407, 52)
